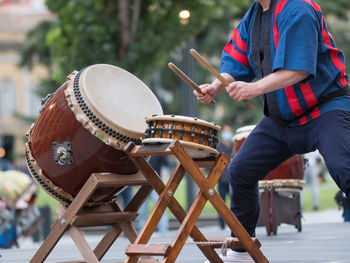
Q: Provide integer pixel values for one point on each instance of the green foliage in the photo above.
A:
(86, 32)
(36, 49)
(338, 8)
(341, 34)
(90, 32)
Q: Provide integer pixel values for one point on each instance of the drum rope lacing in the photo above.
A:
(96, 121)
(150, 132)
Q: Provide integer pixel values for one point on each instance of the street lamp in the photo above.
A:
(184, 16)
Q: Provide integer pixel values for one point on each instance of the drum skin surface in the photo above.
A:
(57, 123)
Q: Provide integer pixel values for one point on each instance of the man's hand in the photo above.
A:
(208, 93)
(240, 90)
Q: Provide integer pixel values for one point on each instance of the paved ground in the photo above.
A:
(324, 238)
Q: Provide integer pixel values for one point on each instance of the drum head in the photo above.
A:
(119, 98)
(243, 132)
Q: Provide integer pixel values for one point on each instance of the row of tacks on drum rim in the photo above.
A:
(109, 131)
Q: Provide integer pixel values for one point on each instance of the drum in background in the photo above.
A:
(84, 127)
(240, 136)
(287, 176)
(198, 137)
(282, 185)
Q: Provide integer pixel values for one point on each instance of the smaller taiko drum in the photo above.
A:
(286, 177)
(198, 137)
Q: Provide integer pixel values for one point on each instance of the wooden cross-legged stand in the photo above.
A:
(187, 219)
(76, 215)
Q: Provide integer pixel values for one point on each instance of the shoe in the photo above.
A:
(235, 257)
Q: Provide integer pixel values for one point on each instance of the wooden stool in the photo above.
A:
(277, 207)
(76, 215)
(187, 220)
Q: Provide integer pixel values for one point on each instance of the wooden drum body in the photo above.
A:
(83, 128)
(198, 137)
(286, 177)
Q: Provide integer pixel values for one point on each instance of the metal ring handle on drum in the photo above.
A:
(62, 157)
(62, 154)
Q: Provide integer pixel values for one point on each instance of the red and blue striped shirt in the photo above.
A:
(299, 40)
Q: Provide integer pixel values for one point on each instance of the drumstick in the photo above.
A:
(213, 71)
(187, 79)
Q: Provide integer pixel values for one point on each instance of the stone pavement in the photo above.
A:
(324, 238)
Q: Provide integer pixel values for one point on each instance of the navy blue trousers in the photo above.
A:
(272, 142)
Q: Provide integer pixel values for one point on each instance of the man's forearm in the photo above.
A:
(280, 79)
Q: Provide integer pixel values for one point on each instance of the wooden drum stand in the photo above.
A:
(187, 219)
(76, 215)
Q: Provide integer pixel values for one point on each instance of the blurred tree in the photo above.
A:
(142, 36)
(135, 35)
(341, 34)
(338, 8)
(213, 38)
(36, 50)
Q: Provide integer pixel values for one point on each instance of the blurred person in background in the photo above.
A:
(343, 202)
(311, 176)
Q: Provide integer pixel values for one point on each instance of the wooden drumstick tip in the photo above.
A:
(249, 104)
(189, 81)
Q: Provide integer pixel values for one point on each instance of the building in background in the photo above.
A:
(17, 85)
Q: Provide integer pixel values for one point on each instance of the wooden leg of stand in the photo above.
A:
(158, 210)
(220, 206)
(61, 224)
(161, 204)
(107, 241)
(115, 230)
(82, 245)
(139, 198)
(174, 205)
(129, 230)
(193, 214)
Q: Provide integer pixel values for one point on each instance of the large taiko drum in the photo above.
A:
(287, 176)
(83, 129)
(198, 137)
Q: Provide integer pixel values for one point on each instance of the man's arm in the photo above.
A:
(281, 78)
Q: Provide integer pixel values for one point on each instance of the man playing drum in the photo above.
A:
(301, 76)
